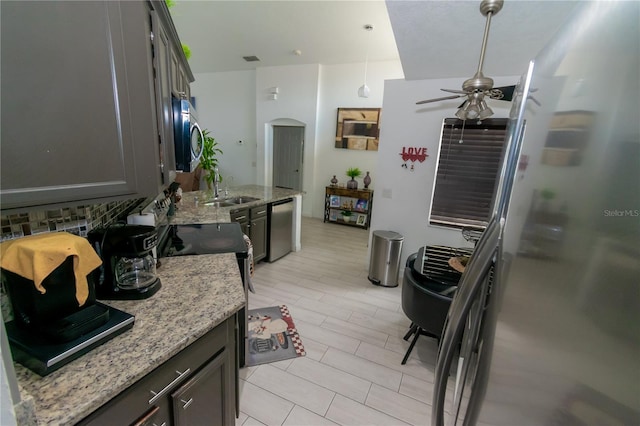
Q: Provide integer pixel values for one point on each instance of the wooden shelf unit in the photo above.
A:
(356, 201)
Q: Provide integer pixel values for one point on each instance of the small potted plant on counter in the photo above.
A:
(353, 173)
(209, 159)
(346, 215)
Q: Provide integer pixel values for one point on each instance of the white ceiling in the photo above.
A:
(433, 39)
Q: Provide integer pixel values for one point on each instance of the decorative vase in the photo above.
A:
(367, 181)
(334, 181)
(352, 184)
(346, 218)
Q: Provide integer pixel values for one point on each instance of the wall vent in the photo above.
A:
(251, 58)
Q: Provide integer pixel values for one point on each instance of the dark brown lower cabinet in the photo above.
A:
(201, 400)
(253, 222)
(196, 386)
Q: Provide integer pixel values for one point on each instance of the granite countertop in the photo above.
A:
(193, 209)
(197, 294)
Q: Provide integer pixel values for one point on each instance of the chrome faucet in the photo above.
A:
(216, 182)
(227, 179)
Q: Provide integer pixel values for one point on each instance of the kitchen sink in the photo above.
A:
(241, 200)
(219, 203)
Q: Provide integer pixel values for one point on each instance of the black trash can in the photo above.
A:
(384, 264)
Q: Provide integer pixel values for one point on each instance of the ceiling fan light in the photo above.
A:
(471, 109)
(472, 112)
(485, 111)
(363, 91)
(461, 114)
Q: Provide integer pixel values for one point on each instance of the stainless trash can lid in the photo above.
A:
(388, 235)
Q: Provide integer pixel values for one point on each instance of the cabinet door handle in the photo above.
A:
(261, 212)
(239, 218)
(158, 395)
(147, 416)
(186, 403)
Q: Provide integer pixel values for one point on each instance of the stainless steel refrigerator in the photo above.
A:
(545, 328)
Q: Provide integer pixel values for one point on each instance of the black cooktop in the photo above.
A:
(211, 238)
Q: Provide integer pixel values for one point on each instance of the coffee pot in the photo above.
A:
(128, 267)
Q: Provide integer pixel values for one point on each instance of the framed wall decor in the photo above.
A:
(362, 219)
(358, 128)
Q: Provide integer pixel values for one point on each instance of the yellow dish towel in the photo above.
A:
(34, 257)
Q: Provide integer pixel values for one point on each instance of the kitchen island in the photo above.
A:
(193, 207)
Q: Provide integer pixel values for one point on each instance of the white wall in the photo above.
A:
(402, 196)
(225, 103)
(297, 103)
(339, 89)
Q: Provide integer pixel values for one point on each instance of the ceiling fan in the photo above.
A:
(478, 87)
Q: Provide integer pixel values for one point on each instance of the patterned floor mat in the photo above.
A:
(272, 336)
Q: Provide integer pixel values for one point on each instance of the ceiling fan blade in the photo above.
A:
(439, 99)
(455, 91)
(504, 93)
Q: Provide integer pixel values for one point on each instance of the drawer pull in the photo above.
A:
(186, 403)
(163, 424)
(239, 218)
(261, 212)
(158, 395)
(149, 415)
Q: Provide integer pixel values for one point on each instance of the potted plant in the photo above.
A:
(353, 173)
(346, 215)
(209, 159)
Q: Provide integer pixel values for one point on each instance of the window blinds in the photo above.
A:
(468, 167)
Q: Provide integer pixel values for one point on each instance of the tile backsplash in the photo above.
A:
(78, 220)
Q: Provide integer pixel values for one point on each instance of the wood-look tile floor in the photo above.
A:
(352, 332)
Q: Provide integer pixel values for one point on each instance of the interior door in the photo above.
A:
(288, 144)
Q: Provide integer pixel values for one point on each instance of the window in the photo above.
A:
(468, 167)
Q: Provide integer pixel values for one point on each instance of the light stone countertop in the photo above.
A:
(193, 209)
(197, 294)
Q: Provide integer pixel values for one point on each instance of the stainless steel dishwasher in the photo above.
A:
(280, 220)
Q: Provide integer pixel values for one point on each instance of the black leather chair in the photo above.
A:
(425, 302)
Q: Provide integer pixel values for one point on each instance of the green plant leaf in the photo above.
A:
(354, 172)
(210, 152)
(187, 51)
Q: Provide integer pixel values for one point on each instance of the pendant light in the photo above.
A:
(363, 91)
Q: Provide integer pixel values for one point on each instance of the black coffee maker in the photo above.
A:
(128, 268)
(56, 318)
